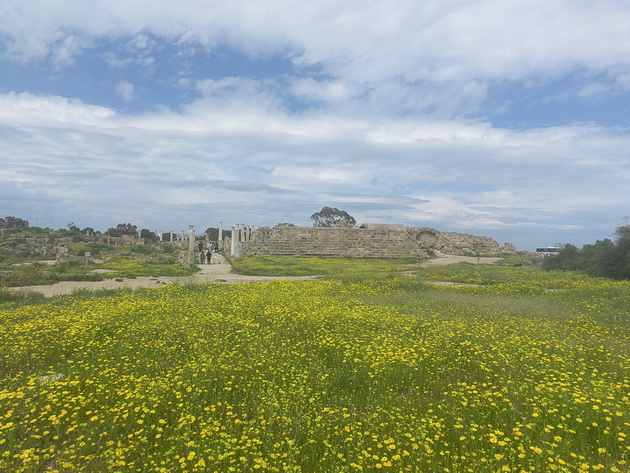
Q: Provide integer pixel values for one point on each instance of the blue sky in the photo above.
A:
(506, 119)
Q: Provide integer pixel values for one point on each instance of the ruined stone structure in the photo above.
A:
(366, 241)
(124, 240)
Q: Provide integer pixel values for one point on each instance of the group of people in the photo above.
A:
(207, 256)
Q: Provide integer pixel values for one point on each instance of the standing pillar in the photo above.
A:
(161, 235)
(183, 238)
(172, 235)
(220, 231)
(191, 238)
(242, 232)
(232, 241)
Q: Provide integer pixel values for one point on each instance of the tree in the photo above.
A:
(13, 222)
(568, 259)
(122, 229)
(148, 234)
(330, 216)
(619, 259)
(213, 233)
(597, 257)
(604, 258)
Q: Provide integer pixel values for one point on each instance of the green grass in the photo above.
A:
(31, 274)
(369, 368)
(332, 268)
(24, 265)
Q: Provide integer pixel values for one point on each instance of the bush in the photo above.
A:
(142, 249)
(604, 258)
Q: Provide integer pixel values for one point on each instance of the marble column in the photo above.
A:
(191, 238)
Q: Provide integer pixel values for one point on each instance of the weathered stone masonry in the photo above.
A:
(366, 241)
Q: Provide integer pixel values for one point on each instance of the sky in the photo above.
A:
(509, 119)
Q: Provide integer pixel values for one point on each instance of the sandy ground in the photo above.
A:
(442, 259)
(219, 271)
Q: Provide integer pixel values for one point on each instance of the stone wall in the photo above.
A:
(467, 244)
(366, 241)
(26, 245)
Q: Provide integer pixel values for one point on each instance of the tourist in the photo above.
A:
(209, 255)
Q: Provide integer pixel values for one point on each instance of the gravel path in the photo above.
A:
(442, 260)
(219, 271)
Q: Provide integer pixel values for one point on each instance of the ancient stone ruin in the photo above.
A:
(366, 241)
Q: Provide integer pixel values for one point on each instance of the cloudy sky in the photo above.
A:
(502, 118)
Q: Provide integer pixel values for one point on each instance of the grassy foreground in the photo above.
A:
(370, 370)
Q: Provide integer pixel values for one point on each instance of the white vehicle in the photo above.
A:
(548, 250)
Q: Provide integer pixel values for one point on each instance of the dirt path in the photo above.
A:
(442, 260)
(219, 271)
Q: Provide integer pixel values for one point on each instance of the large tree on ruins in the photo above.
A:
(331, 216)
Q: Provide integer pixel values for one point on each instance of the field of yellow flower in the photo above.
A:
(518, 371)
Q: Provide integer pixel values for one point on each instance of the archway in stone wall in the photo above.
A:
(426, 238)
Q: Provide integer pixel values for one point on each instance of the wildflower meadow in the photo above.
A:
(375, 366)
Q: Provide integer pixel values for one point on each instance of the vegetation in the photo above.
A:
(346, 268)
(507, 369)
(122, 229)
(213, 233)
(28, 256)
(13, 222)
(330, 216)
(605, 258)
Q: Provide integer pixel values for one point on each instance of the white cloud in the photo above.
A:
(457, 175)
(380, 57)
(622, 80)
(376, 117)
(115, 61)
(368, 40)
(26, 107)
(328, 91)
(126, 90)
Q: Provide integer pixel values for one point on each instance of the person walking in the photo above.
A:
(202, 258)
(209, 256)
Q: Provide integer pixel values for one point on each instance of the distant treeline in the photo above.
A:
(13, 222)
(19, 224)
(604, 258)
